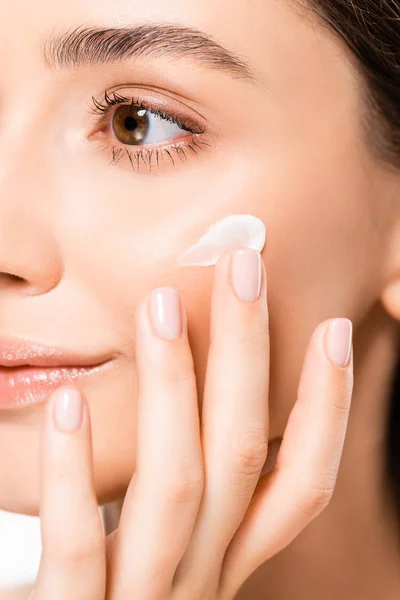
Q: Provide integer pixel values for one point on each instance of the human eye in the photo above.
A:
(139, 130)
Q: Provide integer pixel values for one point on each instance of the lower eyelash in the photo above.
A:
(150, 155)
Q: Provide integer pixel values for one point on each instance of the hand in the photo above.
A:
(197, 519)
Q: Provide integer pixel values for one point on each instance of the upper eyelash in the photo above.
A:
(184, 123)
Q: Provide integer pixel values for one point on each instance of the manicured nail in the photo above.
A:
(246, 274)
(338, 342)
(67, 409)
(165, 311)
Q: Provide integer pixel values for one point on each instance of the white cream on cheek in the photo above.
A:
(231, 232)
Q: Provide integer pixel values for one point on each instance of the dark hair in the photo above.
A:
(371, 31)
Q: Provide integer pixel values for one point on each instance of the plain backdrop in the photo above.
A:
(20, 548)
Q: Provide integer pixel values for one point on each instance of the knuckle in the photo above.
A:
(69, 549)
(315, 500)
(254, 337)
(184, 485)
(342, 409)
(174, 365)
(179, 371)
(251, 451)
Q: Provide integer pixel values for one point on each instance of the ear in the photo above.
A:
(390, 295)
(391, 298)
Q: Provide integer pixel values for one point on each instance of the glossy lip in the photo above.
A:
(17, 351)
(30, 371)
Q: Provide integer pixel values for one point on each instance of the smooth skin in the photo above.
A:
(82, 243)
(197, 519)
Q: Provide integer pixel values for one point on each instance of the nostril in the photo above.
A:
(12, 277)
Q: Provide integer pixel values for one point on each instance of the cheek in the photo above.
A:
(317, 258)
(127, 238)
(322, 254)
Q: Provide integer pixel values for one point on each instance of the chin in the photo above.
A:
(112, 408)
(21, 493)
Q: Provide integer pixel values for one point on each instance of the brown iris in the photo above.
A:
(130, 124)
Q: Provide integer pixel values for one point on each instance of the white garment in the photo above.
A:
(21, 543)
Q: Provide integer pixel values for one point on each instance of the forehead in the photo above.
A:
(259, 31)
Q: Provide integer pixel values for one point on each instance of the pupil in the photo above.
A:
(130, 123)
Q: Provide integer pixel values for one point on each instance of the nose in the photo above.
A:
(30, 261)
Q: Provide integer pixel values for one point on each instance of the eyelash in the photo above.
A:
(146, 154)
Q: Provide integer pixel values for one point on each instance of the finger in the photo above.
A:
(73, 557)
(235, 419)
(162, 501)
(303, 480)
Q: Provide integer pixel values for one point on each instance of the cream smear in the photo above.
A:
(234, 231)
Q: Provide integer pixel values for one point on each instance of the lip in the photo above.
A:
(30, 371)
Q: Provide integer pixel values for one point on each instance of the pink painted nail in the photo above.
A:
(67, 409)
(166, 313)
(246, 274)
(338, 343)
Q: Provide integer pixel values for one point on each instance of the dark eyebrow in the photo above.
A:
(96, 46)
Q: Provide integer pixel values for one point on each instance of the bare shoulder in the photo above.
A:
(20, 593)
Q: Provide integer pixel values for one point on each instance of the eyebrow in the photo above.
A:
(84, 46)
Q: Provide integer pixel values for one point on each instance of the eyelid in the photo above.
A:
(154, 106)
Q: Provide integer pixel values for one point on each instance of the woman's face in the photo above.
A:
(82, 240)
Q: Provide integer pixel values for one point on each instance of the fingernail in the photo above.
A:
(67, 409)
(338, 343)
(165, 311)
(246, 274)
